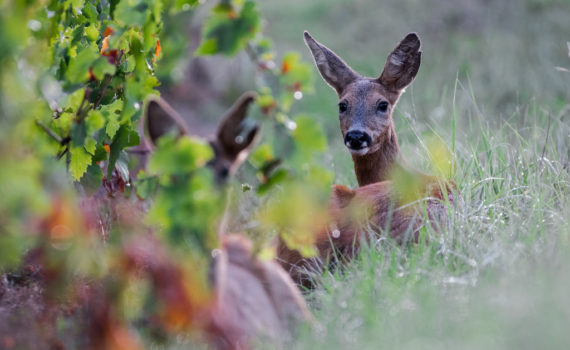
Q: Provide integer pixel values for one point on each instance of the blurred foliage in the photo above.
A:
(229, 28)
(186, 186)
(74, 76)
(288, 160)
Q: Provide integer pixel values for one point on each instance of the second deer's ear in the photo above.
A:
(402, 64)
(342, 196)
(332, 68)
(161, 119)
(235, 133)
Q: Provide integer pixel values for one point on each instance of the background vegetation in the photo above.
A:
(489, 86)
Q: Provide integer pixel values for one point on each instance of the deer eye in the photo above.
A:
(382, 107)
(342, 107)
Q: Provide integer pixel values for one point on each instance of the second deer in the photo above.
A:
(253, 299)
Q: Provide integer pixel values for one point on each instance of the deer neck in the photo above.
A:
(376, 166)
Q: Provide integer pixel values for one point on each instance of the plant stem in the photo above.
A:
(50, 132)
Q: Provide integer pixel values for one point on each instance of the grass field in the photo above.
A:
(499, 276)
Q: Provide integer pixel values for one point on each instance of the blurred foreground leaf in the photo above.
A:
(226, 31)
(297, 215)
(179, 156)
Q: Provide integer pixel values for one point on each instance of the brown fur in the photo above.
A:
(368, 212)
(253, 297)
(362, 94)
(376, 206)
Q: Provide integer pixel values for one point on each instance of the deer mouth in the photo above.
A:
(358, 152)
(357, 141)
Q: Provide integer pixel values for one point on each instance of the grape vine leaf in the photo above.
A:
(228, 32)
(79, 161)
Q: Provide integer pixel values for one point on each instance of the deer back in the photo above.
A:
(254, 299)
(369, 213)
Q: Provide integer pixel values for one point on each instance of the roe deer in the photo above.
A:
(253, 298)
(366, 105)
(365, 113)
(231, 144)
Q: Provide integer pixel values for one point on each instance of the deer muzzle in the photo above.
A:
(357, 140)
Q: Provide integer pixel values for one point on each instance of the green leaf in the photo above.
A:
(179, 156)
(94, 121)
(64, 122)
(125, 137)
(196, 194)
(128, 65)
(145, 185)
(91, 180)
(309, 135)
(122, 165)
(111, 112)
(79, 161)
(184, 5)
(261, 155)
(78, 69)
(90, 145)
(131, 12)
(10, 250)
(228, 32)
(207, 47)
(76, 5)
(75, 100)
(101, 67)
(319, 177)
(90, 11)
(78, 134)
(277, 177)
(77, 36)
(100, 153)
(136, 90)
(139, 88)
(295, 74)
(92, 33)
(112, 125)
(297, 215)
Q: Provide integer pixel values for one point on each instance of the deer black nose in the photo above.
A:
(356, 140)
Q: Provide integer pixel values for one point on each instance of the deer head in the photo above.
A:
(231, 144)
(366, 104)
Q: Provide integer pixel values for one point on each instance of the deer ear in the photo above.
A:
(402, 64)
(235, 132)
(161, 119)
(342, 196)
(333, 69)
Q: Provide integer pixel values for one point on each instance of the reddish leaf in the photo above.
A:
(108, 31)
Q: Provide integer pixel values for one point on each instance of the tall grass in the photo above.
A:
(496, 278)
